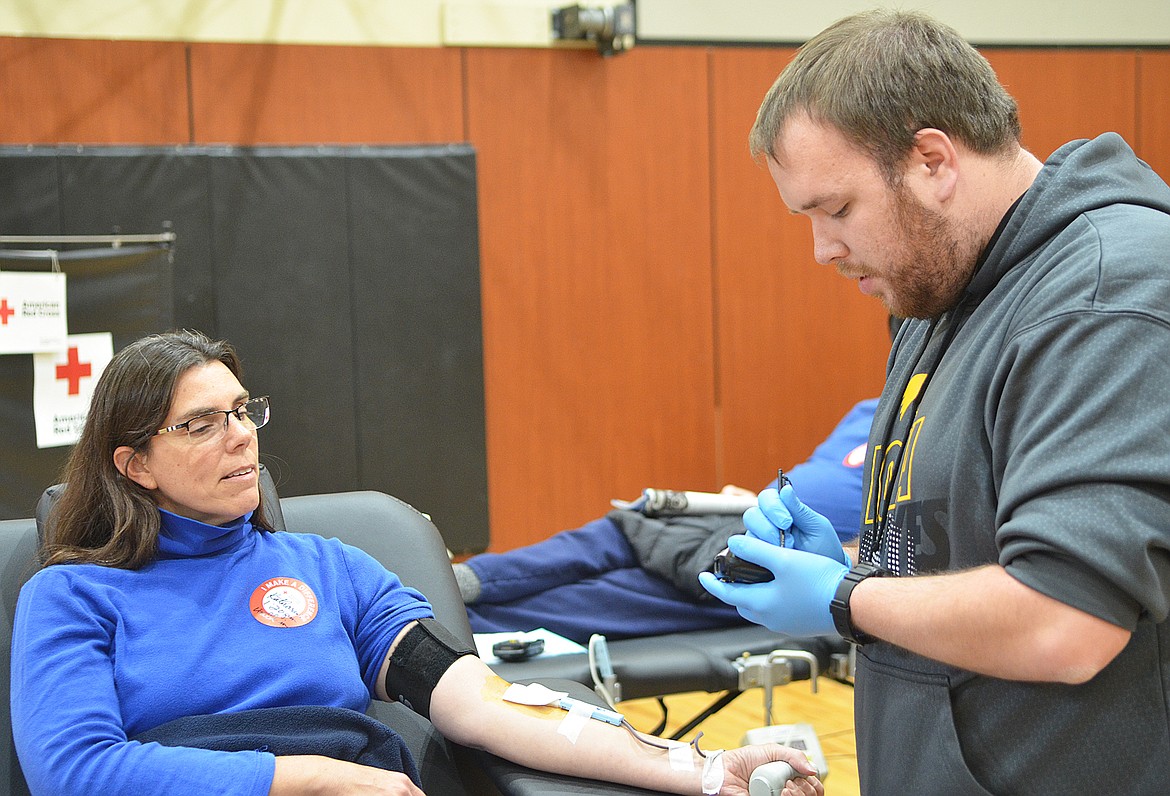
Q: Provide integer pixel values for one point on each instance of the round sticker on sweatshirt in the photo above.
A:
(856, 457)
(283, 602)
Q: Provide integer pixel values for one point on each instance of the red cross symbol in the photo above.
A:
(6, 312)
(74, 370)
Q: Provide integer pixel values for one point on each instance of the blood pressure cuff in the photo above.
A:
(422, 656)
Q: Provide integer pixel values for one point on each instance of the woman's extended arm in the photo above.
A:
(468, 707)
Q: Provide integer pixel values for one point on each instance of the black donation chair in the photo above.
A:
(407, 543)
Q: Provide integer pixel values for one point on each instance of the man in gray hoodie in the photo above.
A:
(1013, 583)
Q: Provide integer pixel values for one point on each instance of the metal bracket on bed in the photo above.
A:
(755, 671)
(842, 665)
(771, 670)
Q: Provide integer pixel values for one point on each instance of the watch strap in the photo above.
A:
(839, 605)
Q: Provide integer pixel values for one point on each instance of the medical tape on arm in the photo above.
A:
(713, 773)
(579, 713)
(575, 720)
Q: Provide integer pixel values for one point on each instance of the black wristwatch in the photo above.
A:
(839, 606)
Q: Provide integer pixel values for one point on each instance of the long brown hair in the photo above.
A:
(101, 516)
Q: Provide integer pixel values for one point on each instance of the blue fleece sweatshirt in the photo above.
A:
(227, 618)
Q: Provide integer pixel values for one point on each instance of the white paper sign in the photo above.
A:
(32, 312)
(63, 383)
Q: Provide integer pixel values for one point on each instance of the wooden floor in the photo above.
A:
(829, 711)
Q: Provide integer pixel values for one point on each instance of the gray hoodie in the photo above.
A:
(1030, 427)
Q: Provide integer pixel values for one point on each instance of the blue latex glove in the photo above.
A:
(804, 529)
(796, 602)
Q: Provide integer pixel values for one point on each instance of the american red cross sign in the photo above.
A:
(63, 383)
(74, 370)
(33, 315)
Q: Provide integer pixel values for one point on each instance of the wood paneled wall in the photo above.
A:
(1153, 109)
(299, 94)
(107, 92)
(594, 228)
(798, 345)
(652, 314)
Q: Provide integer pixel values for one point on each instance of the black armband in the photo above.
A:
(422, 656)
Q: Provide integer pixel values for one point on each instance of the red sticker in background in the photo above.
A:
(283, 602)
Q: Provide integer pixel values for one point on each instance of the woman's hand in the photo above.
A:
(308, 775)
(738, 765)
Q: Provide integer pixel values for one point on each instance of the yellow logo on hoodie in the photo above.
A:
(911, 393)
(882, 474)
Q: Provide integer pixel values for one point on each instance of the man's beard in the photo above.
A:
(929, 270)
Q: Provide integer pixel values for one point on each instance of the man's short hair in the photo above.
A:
(881, 76)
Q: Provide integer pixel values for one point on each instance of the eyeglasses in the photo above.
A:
(206, 428)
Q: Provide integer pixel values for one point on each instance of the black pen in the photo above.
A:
(781, 479)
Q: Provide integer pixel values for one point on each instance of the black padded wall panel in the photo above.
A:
(347, 277)
(103, 190)
(30, 201)
(401, 404)
(284, 298)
